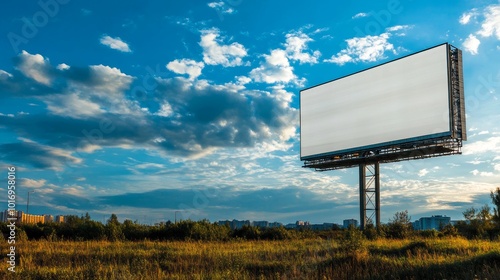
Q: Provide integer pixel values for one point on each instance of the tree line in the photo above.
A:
(481, 223)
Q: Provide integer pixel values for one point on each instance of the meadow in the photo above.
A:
(313, 258)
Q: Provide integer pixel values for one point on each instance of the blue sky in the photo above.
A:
(144, 108)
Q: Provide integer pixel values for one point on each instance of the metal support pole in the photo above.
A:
(369, 194)
(362, 196)
(377, 194)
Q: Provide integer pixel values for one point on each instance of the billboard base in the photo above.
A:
(369, 194)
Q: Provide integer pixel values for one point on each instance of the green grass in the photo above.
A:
(447, 258)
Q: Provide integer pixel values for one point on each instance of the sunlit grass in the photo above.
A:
(446, 258)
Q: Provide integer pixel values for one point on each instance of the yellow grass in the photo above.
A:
(447, 258)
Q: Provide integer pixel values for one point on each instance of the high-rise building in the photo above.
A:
(434, 222)
(350, 222)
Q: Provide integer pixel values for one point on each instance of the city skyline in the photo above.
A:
(191, 110)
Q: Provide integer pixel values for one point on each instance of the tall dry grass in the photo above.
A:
(447, 258)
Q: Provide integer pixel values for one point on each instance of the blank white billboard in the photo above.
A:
(402, 100)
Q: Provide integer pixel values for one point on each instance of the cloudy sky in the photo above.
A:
(151, 107)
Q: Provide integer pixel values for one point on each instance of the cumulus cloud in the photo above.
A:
(186, 66)
(497, 167)
(275, 69)
(63, 66)
(165, 110)
(466, 17)
(476, 172)
(32, 183)
(92, 91)
(471, 44)
(216, 53)
(39, 156)
(490, 145)
(423, 172)
(115, 43)
(191, 120)
(34, 66)
(79, 92)
(491, 23)
(296, 47)
(364, 49)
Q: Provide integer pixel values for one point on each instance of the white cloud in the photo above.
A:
(104, 92)
(63, 66)
(221, 7)
(466, 17)
(490, 145)
(186, 66)
(35, 67)
(423, 172)
(110, 80)
(115, 43)
(275, 69)
(483, 132)
(476, 172)
(360, 15)
(475, 162)
(72, 105)
(5, 75)
(491, 24)
(31, 183)
(364, 49)
(397, 28)
(471, 44)
(243, 80)
(216, 54)
(165, 110)
(296, 45)
(497, 167)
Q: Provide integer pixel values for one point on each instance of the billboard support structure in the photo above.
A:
(406, 109)
(369, 194)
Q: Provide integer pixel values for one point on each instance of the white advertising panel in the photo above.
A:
(399, 101)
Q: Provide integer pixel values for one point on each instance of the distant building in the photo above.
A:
(234, 224)
(275, 224)
(324, 226)
(59, 219)
(22, 217)
(31, 219)
(10, 214)
(302, 223)
(260, 224)
(350, 222)
(48, 219)
(435, 222)
(291, 226)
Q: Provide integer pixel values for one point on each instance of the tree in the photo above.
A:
(469, 214)
(400, 225)
(478, 224)
(113, 229)
(495, 198)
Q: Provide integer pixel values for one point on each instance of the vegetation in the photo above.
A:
(358, 258)
(82, 248)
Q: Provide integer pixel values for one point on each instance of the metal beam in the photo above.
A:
(369, 194)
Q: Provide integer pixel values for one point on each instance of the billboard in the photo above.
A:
(417, 100)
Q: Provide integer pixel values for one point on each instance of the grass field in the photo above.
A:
(446, 258)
